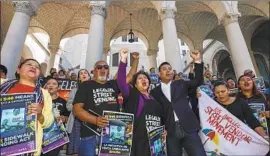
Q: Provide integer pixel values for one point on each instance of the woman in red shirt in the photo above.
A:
(29, 72)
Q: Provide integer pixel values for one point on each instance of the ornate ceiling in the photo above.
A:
(195, 21)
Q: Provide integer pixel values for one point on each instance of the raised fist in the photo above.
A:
(135, 55)
(124, 54)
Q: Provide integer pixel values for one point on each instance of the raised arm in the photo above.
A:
(198, 71)
(134, 66)
(132, 71)
(121, 74)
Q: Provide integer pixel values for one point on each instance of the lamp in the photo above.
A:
(130, 34)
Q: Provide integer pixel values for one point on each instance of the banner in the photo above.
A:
(157, 141)
(54, 137)
(116, 139)
(257, 108)
(66, 86)
(223, 134)
(18, 130)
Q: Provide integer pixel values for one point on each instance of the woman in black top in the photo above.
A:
(148, 113)
(238, 107)
(250, 93)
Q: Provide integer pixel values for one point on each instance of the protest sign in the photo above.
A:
(157, 142)
(224, 134)
(116, 138)
(53, 137)
(18, 129)
(257, 108)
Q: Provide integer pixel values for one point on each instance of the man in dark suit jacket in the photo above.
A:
(183, 129)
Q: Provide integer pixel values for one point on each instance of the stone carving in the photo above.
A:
(25, 7)
(98, 9)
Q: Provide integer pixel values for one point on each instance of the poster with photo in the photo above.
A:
(18, 130)
(257, 108)
(54, 137)
(116, 138)
(259, 82)
(157, 141)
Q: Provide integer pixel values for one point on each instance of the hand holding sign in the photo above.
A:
(102, 121)
(35, 108)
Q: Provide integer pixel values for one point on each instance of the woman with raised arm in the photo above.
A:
(29, 72)
(148, 113)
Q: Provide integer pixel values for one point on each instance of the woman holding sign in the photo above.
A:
(29, 72)
(238, 107)
(149, 114)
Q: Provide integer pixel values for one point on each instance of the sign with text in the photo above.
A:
(223, 133)
(53, 137)
(157, 141)
(66, 86)
(257, 108)
(116, 139)
(18, 129)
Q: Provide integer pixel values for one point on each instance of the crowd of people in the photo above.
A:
(172, 100)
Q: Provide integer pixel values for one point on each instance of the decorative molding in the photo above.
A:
(229, 18)
(53, 48)
(167, 13)
(99, 10)
(25, 7)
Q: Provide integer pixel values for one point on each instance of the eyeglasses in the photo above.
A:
(99, 67)
(32, 65)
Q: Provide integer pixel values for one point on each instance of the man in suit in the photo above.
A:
(183, 129)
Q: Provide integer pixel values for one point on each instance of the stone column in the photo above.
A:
(53, 52)
(152, 54)
(239, 52)
(95, 36)
(170, 39)
(105, 54)
(16, 35)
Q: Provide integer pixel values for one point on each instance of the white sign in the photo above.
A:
(223, 134)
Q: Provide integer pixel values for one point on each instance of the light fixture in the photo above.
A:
(130, 34)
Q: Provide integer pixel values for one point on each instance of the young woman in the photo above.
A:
(237, 106)
(73, 124)
(249, 92)
(29, 71)
(148, 113)
(59, 108)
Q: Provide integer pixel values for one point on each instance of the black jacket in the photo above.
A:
(180, 101)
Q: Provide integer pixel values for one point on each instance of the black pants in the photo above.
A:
(191, 142)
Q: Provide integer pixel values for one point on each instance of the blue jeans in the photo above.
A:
(88, 146)
(191, 142)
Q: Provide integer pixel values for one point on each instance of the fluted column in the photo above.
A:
(152, 54)
(95, 36)
(53, 52)
(170, 39)
(239, 52)
(16, 35)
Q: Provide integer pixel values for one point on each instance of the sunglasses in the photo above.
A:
(99, 67)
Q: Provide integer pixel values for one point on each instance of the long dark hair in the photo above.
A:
(134, 78)
(255, 90)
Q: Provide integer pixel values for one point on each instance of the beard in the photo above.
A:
(102, 78)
